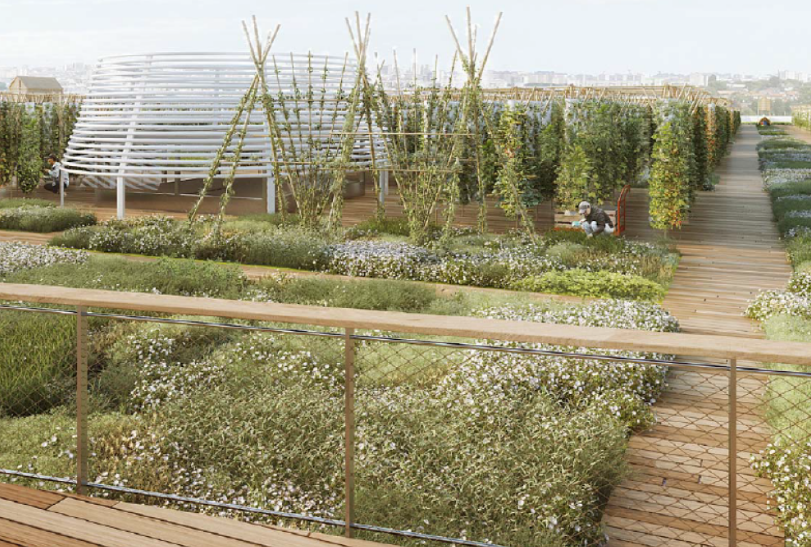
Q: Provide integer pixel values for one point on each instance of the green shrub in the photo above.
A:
(122, 349)
(802, 187)
(74, 238)
(165, 276)
(390, 226)
(274, 219)
(781, 143)
(44, 219)
(37, 359)
(606, 244)
(789, 207)
(593, 284)
(296, 248)
(791, 224)
(13, 203)
(372, 294)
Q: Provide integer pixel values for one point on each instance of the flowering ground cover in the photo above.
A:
(465, 258)
(786, 315)
(514, 449)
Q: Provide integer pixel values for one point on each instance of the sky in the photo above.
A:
(574, 36)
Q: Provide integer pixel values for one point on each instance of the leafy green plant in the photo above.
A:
(670, 173)
(30, 164)
(593, 284)
(164, 276)
(512, 185)
(37, 355)
(374, 294)
(43, 219)
(574, 174)
(14, 203)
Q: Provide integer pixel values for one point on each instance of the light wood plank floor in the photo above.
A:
(677, 492)
(34, 518)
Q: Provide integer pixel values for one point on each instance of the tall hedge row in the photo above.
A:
(29, 133)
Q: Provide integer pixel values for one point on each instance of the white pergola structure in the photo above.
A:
(150, 117)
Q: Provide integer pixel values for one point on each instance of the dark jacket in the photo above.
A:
(601, 218)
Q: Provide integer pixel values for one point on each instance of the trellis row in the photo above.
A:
(150, 117)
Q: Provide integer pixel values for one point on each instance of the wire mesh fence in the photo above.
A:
(402, 439)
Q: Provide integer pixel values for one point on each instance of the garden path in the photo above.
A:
(677, 493)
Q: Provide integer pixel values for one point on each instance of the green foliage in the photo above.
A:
(574, 174)
(12, 116)
(423, 151)
(275, 219)
(513, 187)
(43, 219)
(300, 248)
(383, 225)
(670, 172)
(14, 203)
(593, 284)
(550, 145)
(700, 151)
(163, 276)
(799, 250)
(37, 357)
(463, 259)
(29, 134)
(634, 145)
(373, 294)
(30, 163)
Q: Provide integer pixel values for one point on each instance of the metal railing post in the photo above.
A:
(81, 400)
(349, 431)
(733, 452)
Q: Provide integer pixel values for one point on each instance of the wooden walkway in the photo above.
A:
(677, 494)
(34, 518)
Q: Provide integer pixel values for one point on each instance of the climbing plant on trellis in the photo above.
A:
(311, 129)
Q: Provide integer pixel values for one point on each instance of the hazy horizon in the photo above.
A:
(580, 36)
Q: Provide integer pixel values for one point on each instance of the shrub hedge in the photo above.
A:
(43, 219)
(593, 284)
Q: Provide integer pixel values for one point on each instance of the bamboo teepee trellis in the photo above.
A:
(311, 123)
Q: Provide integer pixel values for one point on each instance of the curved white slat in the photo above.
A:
(149, 115)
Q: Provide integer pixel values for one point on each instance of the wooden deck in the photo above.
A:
(35, 518)
(677, 494)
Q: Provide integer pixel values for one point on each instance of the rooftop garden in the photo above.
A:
(219, 414)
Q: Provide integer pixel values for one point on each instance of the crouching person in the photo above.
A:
(595, 221)
(54, 175)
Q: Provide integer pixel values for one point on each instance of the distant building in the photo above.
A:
(698, 79)
(34, 85)
(764, 105)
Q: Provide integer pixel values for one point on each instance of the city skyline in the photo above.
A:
(625, 36)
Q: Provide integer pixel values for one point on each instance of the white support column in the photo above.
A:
(63, 182)
(120, 197)
(270, 193)
(384, 185)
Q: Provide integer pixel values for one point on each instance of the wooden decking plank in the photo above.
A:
(672, 523)
(144, 526)
(265, 536)
(74, 528)
(41, 499)
(27, 536)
